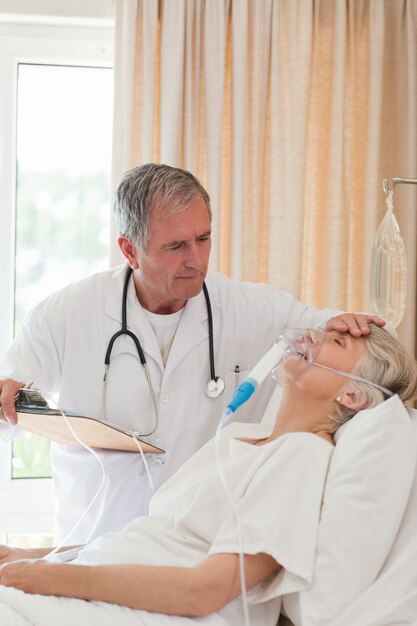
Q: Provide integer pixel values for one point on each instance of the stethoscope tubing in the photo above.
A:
(210, 329)
(124, 329)
(215, 385)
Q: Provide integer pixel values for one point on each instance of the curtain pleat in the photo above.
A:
(291, 113)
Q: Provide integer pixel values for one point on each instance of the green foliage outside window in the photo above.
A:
(64, 121)
(61, 231)
(31, 457)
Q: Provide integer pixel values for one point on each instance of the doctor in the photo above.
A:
(187, 338)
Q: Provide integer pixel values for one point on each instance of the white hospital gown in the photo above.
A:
(277, 488)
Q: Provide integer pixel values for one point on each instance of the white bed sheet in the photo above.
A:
(21, 609)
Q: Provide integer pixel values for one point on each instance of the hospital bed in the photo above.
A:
(366, 558)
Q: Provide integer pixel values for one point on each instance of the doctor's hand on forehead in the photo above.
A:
(356, 324)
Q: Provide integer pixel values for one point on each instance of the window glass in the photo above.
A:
(30, 457)
(64, 123)
(29, 540)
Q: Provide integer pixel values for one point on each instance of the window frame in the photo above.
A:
(27, 504)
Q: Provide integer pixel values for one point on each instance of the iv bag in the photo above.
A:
(389, 268)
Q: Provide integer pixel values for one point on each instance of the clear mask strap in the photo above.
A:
(354, 377)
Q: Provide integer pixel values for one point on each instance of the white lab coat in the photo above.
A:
(61, 348)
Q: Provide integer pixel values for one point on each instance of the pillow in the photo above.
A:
(366, 493)
(392, 598)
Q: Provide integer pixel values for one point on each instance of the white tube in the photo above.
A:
(265, 365)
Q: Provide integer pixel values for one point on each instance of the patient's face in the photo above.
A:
(338, 350)
(341, 350)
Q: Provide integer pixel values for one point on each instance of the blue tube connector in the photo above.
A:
(242, 394)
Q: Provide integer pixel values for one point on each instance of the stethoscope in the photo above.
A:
(214, 386)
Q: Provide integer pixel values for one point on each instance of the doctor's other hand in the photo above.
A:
(356, 324)
(8, 391)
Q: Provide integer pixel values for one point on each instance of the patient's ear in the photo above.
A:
(352, 401)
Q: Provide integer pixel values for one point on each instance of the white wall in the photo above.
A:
(101, 9)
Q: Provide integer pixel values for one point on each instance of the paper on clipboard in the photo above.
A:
(35, 415)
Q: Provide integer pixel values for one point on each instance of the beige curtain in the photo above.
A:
(291, 113)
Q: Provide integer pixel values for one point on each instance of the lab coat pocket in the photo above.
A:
(254, 408)
(233, 379)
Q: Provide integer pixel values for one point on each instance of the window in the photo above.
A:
(57, 121)
(64, 118)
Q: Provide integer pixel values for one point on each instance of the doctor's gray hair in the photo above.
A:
(388, 364)
(153, 187)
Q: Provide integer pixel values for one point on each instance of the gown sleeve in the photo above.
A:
(279, 513)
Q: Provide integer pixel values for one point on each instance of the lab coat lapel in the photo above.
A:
(113, 301)
(137, 321)
(191, 331)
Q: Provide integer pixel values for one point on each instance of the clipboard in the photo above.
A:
(36, 416)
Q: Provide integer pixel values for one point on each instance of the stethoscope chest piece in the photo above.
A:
(214, 387)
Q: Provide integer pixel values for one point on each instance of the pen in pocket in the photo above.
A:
(237, 372)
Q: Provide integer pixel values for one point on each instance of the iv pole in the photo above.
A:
(398, 181)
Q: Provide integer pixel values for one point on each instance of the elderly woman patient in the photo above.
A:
(183, 560)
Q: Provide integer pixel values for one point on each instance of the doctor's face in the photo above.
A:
(175, 263)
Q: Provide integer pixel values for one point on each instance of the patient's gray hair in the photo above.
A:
(387, 363)
(152, 187)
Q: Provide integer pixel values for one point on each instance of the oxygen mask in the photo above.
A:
(301, 347)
